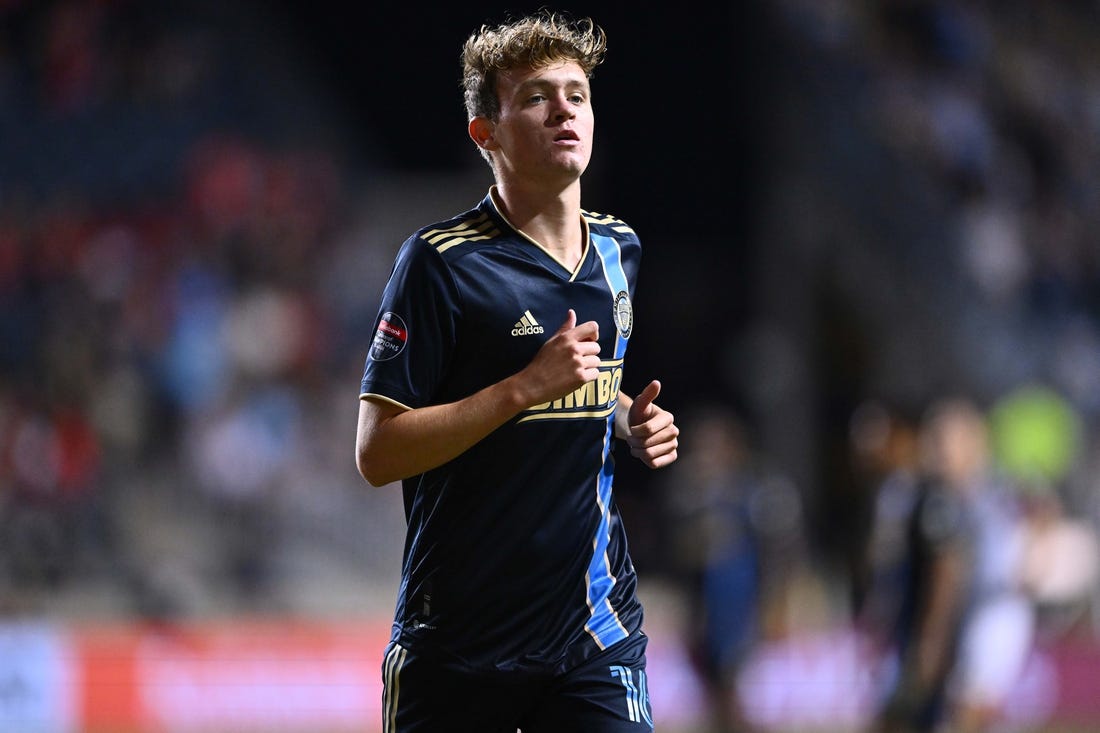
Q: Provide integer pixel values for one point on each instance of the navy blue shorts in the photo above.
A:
(605, 694)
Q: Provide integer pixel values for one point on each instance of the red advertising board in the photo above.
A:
(269, 676)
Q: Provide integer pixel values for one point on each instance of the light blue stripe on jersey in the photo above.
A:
(604, 625)
(608, 250)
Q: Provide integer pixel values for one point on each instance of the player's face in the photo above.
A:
(546, 122)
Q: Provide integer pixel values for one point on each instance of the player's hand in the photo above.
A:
(651, 431)
(568, 360)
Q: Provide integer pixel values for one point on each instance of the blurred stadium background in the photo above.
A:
(850, 209)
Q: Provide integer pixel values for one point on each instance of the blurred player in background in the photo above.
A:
(491, 390)
(964, 626)
(713, 497)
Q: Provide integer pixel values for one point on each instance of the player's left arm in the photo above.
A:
(647, 428)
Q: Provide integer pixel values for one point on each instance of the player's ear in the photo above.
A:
(481, 132)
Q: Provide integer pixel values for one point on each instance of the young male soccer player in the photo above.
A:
(491, 390)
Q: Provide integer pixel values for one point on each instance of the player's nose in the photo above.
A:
(562, 109)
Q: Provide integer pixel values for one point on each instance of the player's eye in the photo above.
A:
(536, 99)
(576, 98)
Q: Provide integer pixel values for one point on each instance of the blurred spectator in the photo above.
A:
(164, 325)
(884, 451)
(1061, 567)
(964, 628)
(51, 506)
(734, 533)
(1038, 439)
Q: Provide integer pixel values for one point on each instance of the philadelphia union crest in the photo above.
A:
(624, 314)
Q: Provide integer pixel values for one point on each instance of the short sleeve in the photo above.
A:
(415, 328)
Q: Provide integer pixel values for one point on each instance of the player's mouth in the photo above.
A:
(567, 136)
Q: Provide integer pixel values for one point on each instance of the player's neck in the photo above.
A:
(551, 218)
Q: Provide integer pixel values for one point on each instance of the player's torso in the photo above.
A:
(507, 529)
(515, 296)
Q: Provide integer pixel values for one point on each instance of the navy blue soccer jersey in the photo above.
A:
(515, 556)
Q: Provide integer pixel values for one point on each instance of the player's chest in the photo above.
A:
(520, 310)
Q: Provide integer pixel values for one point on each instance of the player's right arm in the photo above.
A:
(393, 442)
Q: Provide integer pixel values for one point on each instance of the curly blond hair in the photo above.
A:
(534, 41)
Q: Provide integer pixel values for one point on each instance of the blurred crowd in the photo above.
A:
(185, 287)
(179, 324)
(970, 558)
(913, 441)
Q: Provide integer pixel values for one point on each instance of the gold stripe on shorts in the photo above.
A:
(391, 687)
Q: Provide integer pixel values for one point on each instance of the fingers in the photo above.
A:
(570, 322)
(569, 359)
(587, 354)
(656, 461)
(654, 436)
(649, 394)
(587, 331)
(661, 461)
(655, 430)
(657, 450)
(641, 410)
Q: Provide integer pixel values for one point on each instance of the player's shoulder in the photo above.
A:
(475, 225)
(608, 225)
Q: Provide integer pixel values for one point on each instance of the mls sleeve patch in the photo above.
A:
(390, 338)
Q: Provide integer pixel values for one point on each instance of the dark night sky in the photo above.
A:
(673, 100)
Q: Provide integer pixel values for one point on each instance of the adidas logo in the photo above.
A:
(526, 325)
